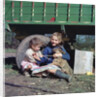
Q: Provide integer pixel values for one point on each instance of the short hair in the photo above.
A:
(35, 41)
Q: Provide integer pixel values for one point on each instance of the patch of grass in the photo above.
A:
(10, 70)
(10, 50)
(8, 66)
(77, 90)
(82, 84)
(86, 78)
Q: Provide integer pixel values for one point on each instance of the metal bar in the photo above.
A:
(68, 11)
(80, 14)
(12, 10)
(32, 11)
(44, 11)
(21, 10)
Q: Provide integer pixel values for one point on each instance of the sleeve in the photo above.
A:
(28, 55)
(66, 55)
(43, 59)
(40, 54)
(46, 51)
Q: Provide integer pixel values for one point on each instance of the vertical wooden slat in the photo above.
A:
(56, 11)
(92, 17)
(44, 10)
(12, 10)
(68, 11)
(21, 10)
(32, 11)
(80, 14)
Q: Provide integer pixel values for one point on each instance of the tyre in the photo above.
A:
(20, 54)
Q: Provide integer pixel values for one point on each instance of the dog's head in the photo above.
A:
(58, 50)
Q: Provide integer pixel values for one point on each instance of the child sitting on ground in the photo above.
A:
(55, 42)
(33, 54)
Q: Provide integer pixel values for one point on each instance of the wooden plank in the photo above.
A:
(56, 11)
(21, 10)
(80, 17)
(44, 10)
(12, 10)
(68, 17)
(32, 11)
(92, 17)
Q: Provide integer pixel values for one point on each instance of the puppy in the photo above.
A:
(62, 63)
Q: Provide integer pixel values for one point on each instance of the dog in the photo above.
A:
(62, 63)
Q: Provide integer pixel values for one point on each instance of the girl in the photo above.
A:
(55, 42)
(32, 55)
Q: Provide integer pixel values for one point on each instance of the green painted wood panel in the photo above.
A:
(38, 11)
(8, 11)
(74, 12)
(87, 13)
(42, 13)
(16, 11)
(50, 11)
(62, 12)
(27, 11)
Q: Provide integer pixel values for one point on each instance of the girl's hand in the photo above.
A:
(57, 55)
(41, 55)
(36, 57)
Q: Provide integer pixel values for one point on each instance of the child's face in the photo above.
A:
(55, 41)
(36, 47)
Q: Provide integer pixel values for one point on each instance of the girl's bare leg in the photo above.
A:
(53, 71)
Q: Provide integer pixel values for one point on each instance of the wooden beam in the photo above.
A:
(56, 11)
(80, 14)
(44, 11)
(21, 10)
(93, 14)
(68, 11)
(32, 11)
(12, 10)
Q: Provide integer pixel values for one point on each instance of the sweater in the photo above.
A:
(49, 51)
(29, 55)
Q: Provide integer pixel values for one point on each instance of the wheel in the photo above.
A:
(20, 54)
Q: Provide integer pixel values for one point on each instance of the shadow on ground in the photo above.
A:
(10, 62)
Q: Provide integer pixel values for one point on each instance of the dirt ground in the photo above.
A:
(17, 84)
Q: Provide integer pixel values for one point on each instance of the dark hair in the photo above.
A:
(35, 41)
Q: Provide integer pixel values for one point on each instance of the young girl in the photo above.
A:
(32, 55)
(55, 42)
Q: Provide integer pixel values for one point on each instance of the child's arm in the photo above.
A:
(66, 55)
(36, 57)
(44, 59)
